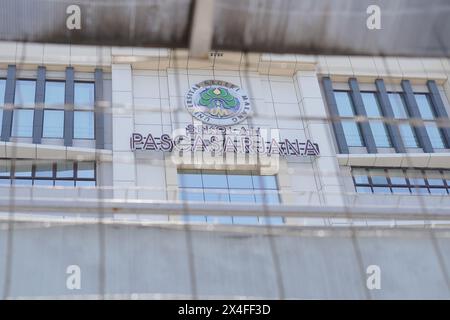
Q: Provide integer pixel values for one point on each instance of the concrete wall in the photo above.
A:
(167, 261)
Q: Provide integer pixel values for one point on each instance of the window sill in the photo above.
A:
(400, 160)
(42, 151)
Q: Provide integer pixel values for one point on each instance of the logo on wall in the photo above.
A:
(218, 103)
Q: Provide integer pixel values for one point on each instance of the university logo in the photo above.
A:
(218, 103)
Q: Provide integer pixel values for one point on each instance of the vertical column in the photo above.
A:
(124, 167)
(99, 110)
(325, 178)
(332, 107)
(361, 111)
(9, 103)
(414, 113)
(38, 119)
(68, 107)
(439, 108)
(388, 113)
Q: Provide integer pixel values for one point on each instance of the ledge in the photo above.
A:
(400, 160)
(41, 151)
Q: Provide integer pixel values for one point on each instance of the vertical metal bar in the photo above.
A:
(439, 108)
(358, 103)
(332, 107)
(68, 107)
(388, 113)
(414, 113)
(10, 89)
(99, 110)
(38, 119)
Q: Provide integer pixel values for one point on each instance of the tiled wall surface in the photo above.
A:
(148, 92)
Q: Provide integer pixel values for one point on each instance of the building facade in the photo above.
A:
(379, 125)
(134, 126)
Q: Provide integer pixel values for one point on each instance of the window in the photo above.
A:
(427, 113)
(53, 124)
(83, 110)
(401, 181)
(47, 173)
(378, 127)
(2, 92)
(84, 95)
(25, 93)
(22, 125)
(406, 130)
(351, 128)
(54, 94)
(83, 125)
(222, 186)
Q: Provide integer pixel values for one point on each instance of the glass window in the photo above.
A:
(378, 176)
(381, 190)
(2, 91)
(22, 168)
(427, 113)
(438, 191)
(345, 109)
(5, 168)
(220, 186)
(363, 189)
(84, 95)
(419, 191)
(217, 196)
(53, 124)
(23, 182)
(242, 197)
(214, 180)
(55, 93)
(86, 170)
(64, 169)
(22, 123)
(41, 182)
(397, 177)
(40, 173)
(5, 182)
(191, 195)
(378, 127)
(190, 180)
(83, 125)
(265, 182)
(434, 178)
(416, 181)
(25, 92)
(406, 131)
(416, 177)
(240, 181)
(64, 183)
(44, 170)
(434, 133)
(344, 104)
(397, 190)
(352, 133)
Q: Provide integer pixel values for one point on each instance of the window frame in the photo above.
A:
(409, 185)
(12, 173)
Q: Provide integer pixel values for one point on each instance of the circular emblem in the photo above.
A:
(218, 103)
